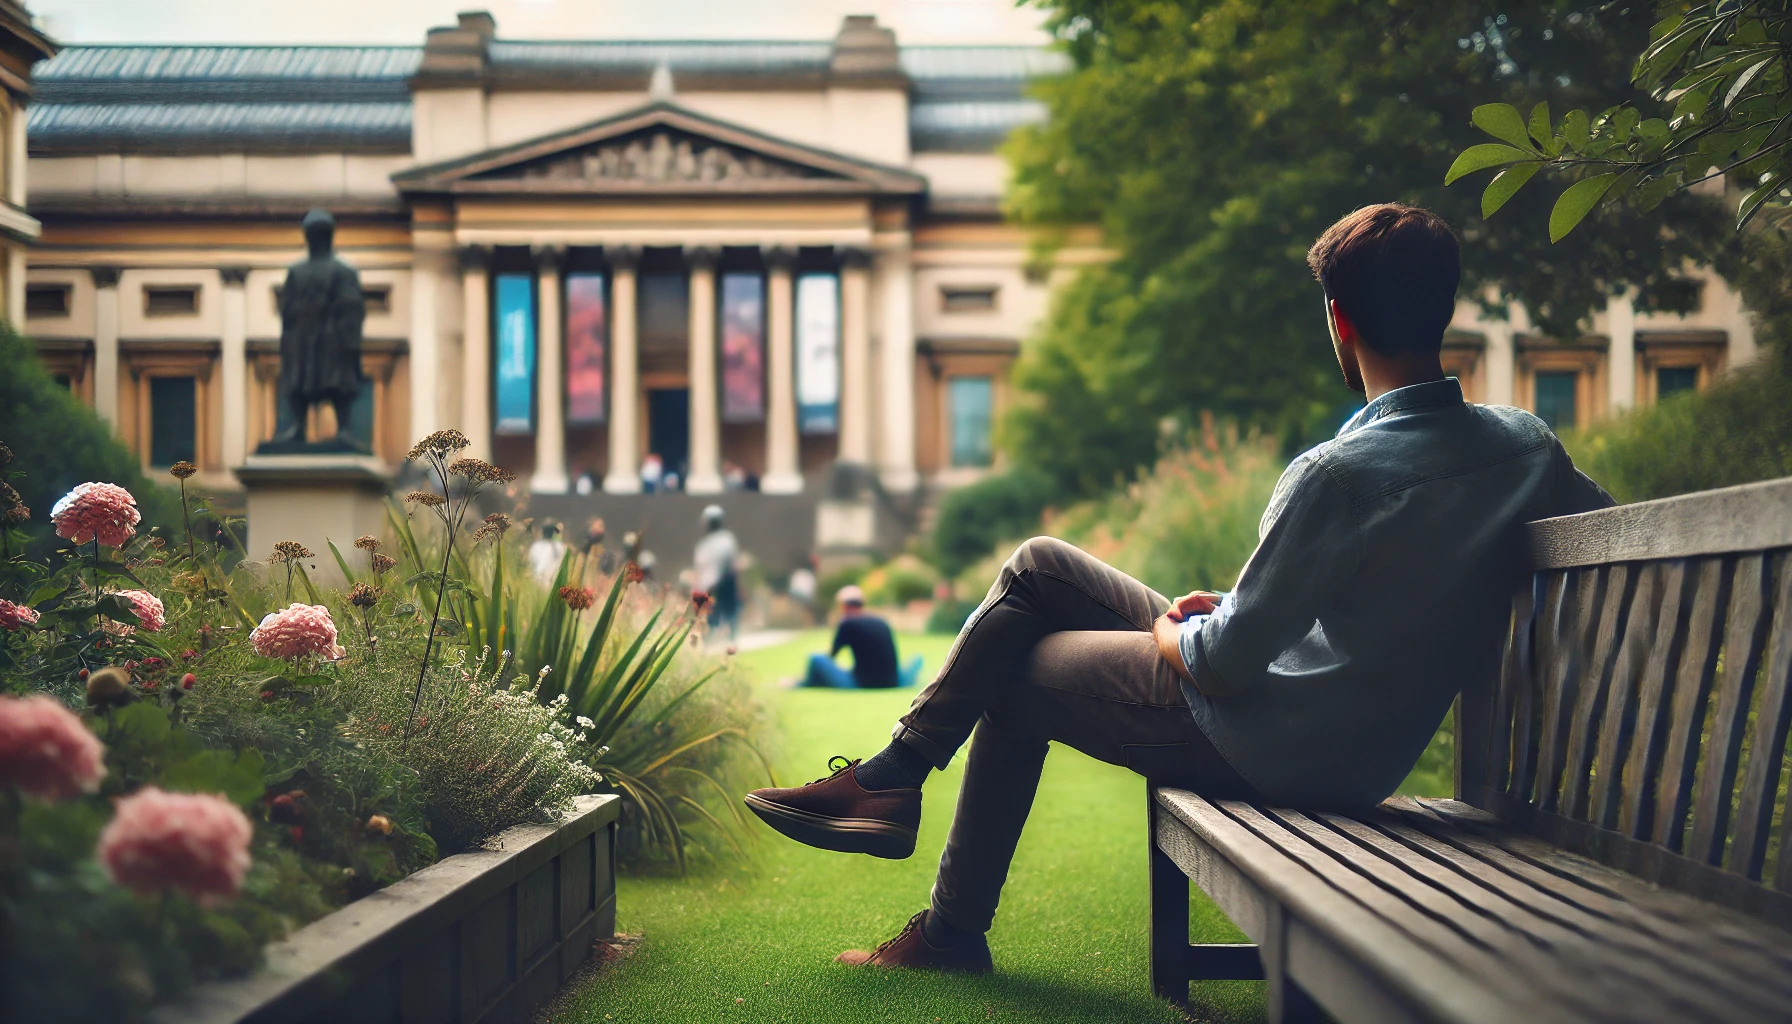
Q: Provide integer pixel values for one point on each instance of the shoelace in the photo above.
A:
(913, 923)
(845, 763)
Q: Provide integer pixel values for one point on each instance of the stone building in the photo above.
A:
(21, 47)
(775, 270)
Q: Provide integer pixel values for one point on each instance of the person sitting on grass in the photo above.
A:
(1384, 566)
(873, 651)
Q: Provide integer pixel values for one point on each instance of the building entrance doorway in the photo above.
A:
(669, 428)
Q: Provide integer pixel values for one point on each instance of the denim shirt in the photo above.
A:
(1385, 564)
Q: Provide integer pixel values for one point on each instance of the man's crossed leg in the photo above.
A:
(1060, 649)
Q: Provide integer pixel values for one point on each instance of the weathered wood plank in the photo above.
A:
(1654, 691)
(1582, 973)
(1525, 714)
(1595, 683)
(1735, 914)
(1514, 678)
(1744, 631)
(1692, 691)
(1372, 955)
(1617, 730)
(1580, 614)
(1590, 943)
(1752, 517)
(1169, 915)
(1767, 740)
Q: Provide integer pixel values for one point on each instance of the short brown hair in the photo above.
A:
(1393, 269)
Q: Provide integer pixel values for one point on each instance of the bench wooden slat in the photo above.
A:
(1767, 740)
(1749, 517)
(1603, 890)
(1617, 730)
(1510, 691)
(1595, 684)
(1422, 979)
(1744, 631)
(1692, 690)
(1643, 952)
(1654, 691)
(1550, 955)
(1573, 631)
(1553, 588)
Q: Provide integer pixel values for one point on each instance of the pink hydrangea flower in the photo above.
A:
(16, 616)
(194, 842)
(296, 631)
(46, 751)
(148, 608)
(95, 510)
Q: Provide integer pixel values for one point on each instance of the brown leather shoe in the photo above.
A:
(836, 813)
(910, 948)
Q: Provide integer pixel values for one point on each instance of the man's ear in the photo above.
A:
(1341, 322)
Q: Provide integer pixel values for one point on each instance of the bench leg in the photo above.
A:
(1169, 925)
(1288, 1002)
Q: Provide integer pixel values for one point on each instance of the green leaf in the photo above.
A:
(1743, 80)
(1479, 158)
(1576, 129)
(1539, 127)
(1651, 193)
(1505, 185)
(1752, 203)
(215, 771)
(1502, 121)
(143, 722)
(1576, 202)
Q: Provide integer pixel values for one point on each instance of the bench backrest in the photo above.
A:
(1640, 713)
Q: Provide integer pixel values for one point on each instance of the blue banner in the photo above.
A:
(515, 370)
(818, 353)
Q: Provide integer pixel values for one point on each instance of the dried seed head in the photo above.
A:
(428, 499)
(441, 443)
(480, 471)
(382, 563)
(578, 598)
(363, 596)
(289, 551)
(182, 469)
(367, 542)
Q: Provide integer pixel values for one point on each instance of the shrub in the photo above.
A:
(59, 442)
(1737, 431)
(973, 518)
(902, 579)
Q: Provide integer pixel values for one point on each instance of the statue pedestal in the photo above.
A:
(314, 498)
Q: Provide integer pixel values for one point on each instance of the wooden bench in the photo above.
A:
(1619, 848)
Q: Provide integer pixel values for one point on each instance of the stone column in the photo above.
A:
(1620, 319)
(476, 353)
(855, 358)
(233, 376)
(624, 476)
(896, 452)
(105, 344)
(705, 472)
(426, 355)
(550, 376)
(783, 474)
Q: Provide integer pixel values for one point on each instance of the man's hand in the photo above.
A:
(1198, 602)
(1168, 634)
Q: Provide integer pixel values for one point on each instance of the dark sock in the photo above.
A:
(897, 766)
(942, 934)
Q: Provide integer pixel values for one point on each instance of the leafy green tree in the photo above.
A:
(58, 442)
(1212, 140)
(1720, 76)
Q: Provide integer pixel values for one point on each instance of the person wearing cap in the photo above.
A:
(873, 651)
(715, 564)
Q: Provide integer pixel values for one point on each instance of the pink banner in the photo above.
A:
(743, 348)
(586, 349)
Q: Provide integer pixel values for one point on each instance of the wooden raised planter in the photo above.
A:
(477, 938)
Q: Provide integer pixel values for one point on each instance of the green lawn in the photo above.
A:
(757, 943)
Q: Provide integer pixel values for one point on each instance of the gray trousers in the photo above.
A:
(1061, 649)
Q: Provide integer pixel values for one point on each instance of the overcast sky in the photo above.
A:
(405, 21)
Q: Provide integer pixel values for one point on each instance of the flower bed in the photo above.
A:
(201, 757)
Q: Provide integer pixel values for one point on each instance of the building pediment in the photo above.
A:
(659, 149)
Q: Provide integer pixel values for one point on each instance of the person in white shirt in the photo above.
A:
(546, 551)
(715, 563)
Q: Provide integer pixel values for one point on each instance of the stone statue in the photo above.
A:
(321, 310)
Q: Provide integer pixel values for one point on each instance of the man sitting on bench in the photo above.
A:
(1385, 559)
